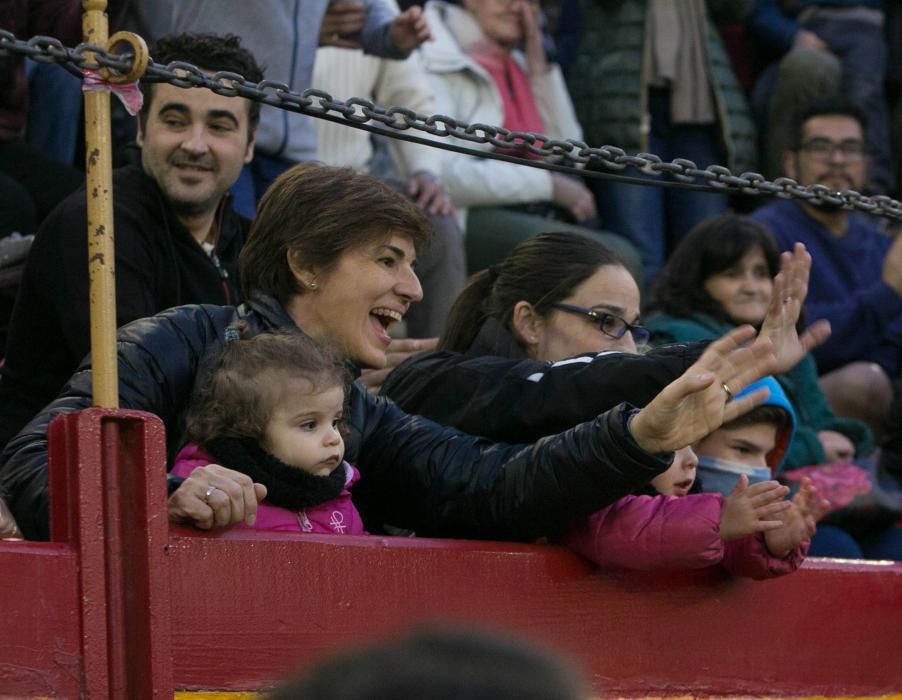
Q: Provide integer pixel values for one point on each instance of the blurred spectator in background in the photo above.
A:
(653, 76)
(481, 76)
(437, 663)
(31, 182)
(856, 275)
(822, 48)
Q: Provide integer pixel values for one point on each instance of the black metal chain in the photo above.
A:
(398, 121)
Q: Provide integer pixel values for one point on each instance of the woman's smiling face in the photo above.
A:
(357, 300)
(744, 289)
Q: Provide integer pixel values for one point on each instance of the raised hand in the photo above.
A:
(341, 21)
(696, 403)
(409, 29)
(787, 300)
(749, 509)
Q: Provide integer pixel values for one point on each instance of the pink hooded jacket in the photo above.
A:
(666, 532)
(338, 516)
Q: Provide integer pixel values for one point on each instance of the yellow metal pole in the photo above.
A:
(101, 252)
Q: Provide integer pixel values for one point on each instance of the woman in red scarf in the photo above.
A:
(489, 66)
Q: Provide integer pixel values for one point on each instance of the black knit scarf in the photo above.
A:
(286, 486)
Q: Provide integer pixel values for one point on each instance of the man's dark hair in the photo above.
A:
(211, 52)
(823, 106)
(440, 664)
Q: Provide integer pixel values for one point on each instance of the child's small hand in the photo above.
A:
(792, 533)
(799, 521)
(747, 508)
(810, 504)
(409, 29)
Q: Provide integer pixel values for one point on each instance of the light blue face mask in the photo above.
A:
(721, 475)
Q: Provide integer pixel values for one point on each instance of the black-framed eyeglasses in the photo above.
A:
(823, 149)
(609, 324)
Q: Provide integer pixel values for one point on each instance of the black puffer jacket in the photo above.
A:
(495, 391)
(158, 265)
(414, 473)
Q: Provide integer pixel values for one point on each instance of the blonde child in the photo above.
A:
(272, 408)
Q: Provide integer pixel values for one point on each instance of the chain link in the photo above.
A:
(610, 160)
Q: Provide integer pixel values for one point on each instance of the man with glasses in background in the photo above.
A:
(856, 275)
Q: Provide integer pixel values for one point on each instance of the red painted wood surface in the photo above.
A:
(40, 652)
(249, 606)
(244, 608)
(108, 501)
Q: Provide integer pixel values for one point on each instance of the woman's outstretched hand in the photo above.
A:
(696, 403)
(787, 300)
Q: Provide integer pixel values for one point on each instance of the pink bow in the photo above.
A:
(128, 93)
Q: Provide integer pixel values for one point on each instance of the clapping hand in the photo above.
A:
(749, 509)
(799, 521)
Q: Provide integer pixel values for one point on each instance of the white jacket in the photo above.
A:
(345, 73)
(464, 90)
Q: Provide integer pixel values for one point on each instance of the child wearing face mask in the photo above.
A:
(750, 529)
(271, 408)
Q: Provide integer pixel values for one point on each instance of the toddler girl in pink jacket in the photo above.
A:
(271, 408)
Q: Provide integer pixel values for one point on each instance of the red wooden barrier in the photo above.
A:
(250, 605)
(97, 613)
(108, 501)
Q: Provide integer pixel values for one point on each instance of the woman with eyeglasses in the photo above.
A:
(538, 343)
(721, 276)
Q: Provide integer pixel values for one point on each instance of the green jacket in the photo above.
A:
(606, 79)
(813, 413)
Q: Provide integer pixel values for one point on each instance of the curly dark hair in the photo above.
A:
(237, 397)
(710, 247)
(211, 52)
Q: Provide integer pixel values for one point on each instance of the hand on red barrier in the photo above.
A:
(213, 497)
(8, 528)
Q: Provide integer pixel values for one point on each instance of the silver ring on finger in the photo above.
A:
(208, 493)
